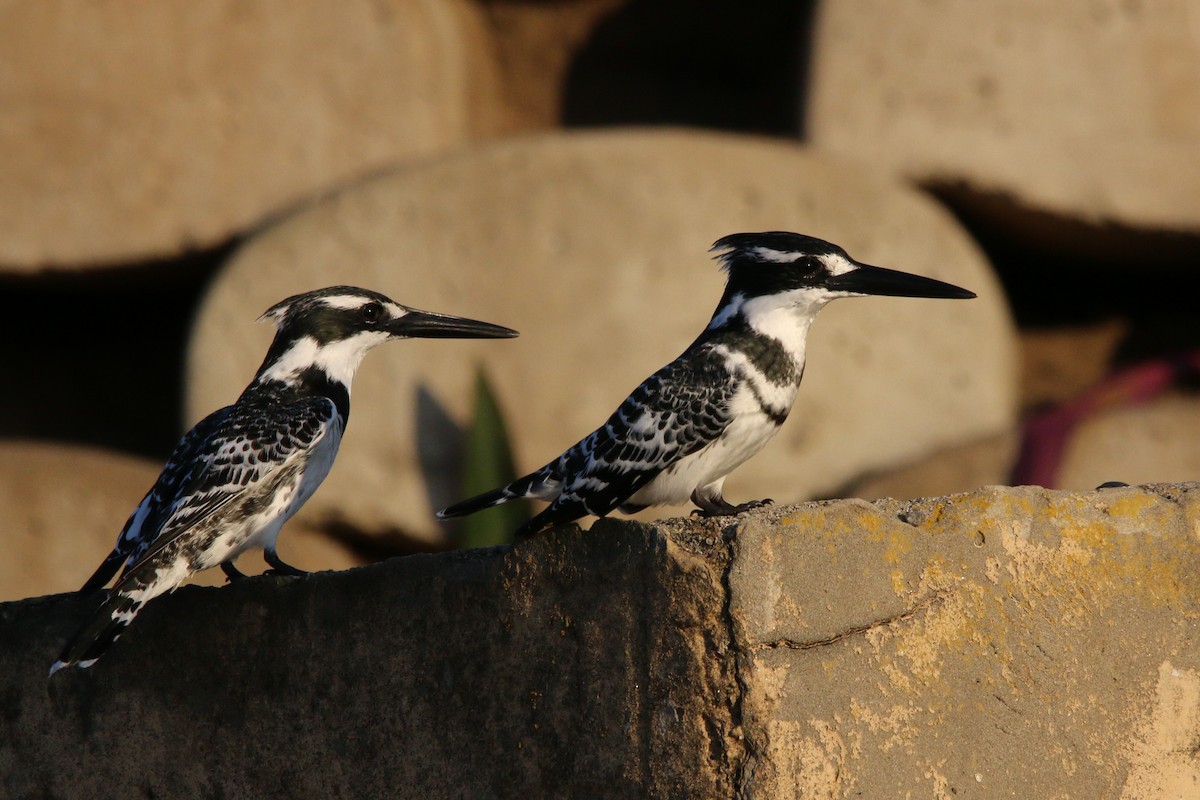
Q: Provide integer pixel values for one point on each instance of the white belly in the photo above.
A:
(289, 499)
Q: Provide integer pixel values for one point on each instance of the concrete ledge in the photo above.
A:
(1007, 642)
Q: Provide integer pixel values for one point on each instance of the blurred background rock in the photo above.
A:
(169, 170)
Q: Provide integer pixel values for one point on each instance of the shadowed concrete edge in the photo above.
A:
(1011, 639)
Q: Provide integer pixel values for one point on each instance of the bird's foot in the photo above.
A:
(281, 567)
(232, 573)
(292, 573)
(728, 509)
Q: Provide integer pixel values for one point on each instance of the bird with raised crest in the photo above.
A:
(238, 475)
(687, 426)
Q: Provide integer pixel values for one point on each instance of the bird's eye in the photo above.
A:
(807, 266)
(372, 312)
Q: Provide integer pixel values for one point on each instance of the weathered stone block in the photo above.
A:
(574, 666)
(1007, 642)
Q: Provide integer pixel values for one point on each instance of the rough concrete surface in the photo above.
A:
(595, 247)
(572, 666)
(1003, 643)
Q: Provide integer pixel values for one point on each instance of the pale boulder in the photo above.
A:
(1155, 442)
(536, 46)
(957, 468)
(1087, 110)
(594, 246)
(141, 131)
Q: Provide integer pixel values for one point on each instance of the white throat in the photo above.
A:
(786, 317)
(339, 360)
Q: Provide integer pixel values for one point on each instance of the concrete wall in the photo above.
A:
(1008, 642)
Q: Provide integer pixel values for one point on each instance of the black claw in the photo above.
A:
(292, 572)
(766, 501)
(281, 567)
(232, 573)
(725, 509)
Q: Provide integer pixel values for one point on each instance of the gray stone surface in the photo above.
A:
(1003, 643)
(595, 247)
(573, 666)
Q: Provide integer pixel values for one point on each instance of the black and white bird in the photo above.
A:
(698, 418)
(238, 475)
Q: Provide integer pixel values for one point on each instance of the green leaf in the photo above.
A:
(488, 464)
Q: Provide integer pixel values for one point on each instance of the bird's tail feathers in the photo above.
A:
(124, 549)
(476, 503)
(106, 625)
(104, 573)
(539, 485)
(98, 634)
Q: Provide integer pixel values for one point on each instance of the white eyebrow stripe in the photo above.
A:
(776, 256)
(836, 264)
(345, 301)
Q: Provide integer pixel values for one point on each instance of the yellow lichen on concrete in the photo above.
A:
(897, 721)
(1132, 504)
(816, 754)
(1070, 552)
(1163, 756)
(1011, 629)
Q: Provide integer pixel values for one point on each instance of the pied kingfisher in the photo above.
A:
(243, 471)
(694, 421)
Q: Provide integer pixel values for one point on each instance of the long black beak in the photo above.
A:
(428, 325)
(893, 283)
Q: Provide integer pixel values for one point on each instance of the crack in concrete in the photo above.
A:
(1007, 704)
(904, 615)
(749, 750)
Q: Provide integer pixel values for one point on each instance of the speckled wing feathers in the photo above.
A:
(235, 458)
(147, 519)
(673, 413)
(248, 442)
(228, 450)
